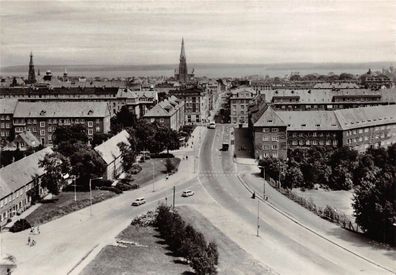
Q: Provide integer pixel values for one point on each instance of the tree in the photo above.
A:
(346, 76)
(55, 166)
(212, 252)
(169, 165)
(128, 156)
(86, 164)
(99, 138)
(166, 139)
(375, 206)
(340, 178)
(294, 177)
(145, 135)
(70, 134)
(123, 119)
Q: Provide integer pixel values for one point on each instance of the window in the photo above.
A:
(42, 124)
(360, 131)
(2, 125)
(274, 130)
(97, 129)
(8, 126)
(294, 142)
(49, 129)
(265, 138)
(315, 142)
(90, 132)
(34, 130)
(275, 138)
(307, 142)
(90, 123)
(266, 130)
(49, 137)
(42, 132)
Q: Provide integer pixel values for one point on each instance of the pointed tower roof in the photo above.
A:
(182, 52)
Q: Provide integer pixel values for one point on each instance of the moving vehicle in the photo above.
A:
(212, 125)
(226, 139)
(187, 193)
(139, 201)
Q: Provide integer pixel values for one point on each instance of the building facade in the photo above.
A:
(239, 104)
(358, 128)
(42, 118)
(111, 154)
(169, 113)
(7, 108)
(196, 108)
(19, 182)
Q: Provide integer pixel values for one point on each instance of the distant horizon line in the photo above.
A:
(207, 64)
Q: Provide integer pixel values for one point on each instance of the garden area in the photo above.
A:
(157, 241)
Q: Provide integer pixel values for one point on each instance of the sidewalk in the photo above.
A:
(22, 215)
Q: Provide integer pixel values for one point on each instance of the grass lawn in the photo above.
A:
(340, 200)
(65, 205)
(150, 256)
(232, 258)
(146, 175)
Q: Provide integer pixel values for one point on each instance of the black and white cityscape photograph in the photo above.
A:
(182, 137)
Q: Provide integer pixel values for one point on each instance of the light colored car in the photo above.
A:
(212, 125)
(139, 201)
(187, 193)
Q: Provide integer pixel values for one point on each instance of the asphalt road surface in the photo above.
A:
(289, 247)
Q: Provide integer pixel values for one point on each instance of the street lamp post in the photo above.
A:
(153, 174)
(90, 194)
(258, 217)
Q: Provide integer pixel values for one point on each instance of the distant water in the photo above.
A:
(209, 70)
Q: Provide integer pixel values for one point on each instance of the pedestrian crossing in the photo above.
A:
(218, 173)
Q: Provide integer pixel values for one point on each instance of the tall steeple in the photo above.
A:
(32, 74)
(183, 72)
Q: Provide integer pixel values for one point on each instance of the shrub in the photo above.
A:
(162, 155)
(186, 241)
(169, 165)
(145, 220)
(111, 188)
(101, 182)
(20, 225)
(136, 168)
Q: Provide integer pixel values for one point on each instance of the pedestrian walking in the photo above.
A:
(28, 243)
(38, 229)
(32, 243)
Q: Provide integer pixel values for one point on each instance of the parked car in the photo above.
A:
(139, 201)
(187, 193)
(212, 125)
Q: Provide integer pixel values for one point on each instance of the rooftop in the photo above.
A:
(7, 106)
(109, 150)
(61, 109)
(18, 174)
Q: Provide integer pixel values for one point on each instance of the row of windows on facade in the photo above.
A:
(241, 106)
(49, 130)
(240, 113)
(5, 117)
(366, 138)
(56, 121)
(4, 133)
(5, 125)
(366, 130)
(15, 195)
(333, 142)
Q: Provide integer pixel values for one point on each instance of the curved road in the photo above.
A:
(289, 247)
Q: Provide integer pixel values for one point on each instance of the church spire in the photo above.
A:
(32, 74)
(182, 52)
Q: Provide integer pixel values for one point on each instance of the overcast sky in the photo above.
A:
(149, 32)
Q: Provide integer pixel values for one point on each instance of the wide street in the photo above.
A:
(291, 240)
(313, 246)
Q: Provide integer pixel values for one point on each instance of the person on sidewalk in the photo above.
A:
(28, 242)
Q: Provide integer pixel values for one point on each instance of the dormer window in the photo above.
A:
(42, 113)
(90, 112)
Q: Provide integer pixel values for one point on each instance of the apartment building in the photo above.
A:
(327, 99)
(169, 113)
(240, 100)
(358, 128)
(42, 118)
(196, 105)
(7, 108)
